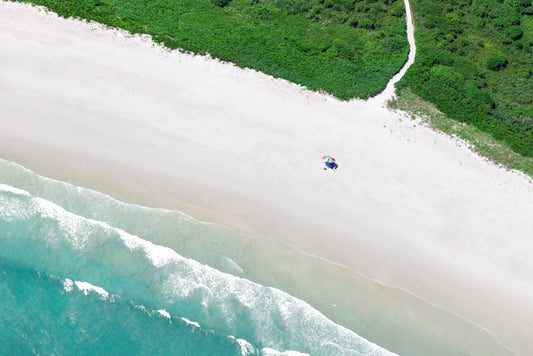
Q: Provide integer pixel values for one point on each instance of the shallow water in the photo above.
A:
(73, 282)
(99, 271)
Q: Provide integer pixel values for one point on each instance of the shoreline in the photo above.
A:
(407, 207)
(383, 314)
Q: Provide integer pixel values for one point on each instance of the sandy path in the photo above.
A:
(388, 93)
(408, 206)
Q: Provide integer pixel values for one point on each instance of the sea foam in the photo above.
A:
(87, 288)
(43, 313)
(102, 259)
(386, 315)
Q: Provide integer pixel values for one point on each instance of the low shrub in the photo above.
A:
(495, 62)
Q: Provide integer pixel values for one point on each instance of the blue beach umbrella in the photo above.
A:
(328, 159)
(329, 162)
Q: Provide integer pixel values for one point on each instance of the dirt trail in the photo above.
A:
(388, 93)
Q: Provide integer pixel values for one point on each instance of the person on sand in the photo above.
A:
(330, 163)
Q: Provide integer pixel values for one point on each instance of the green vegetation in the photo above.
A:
(344, 47)
(474, 57)
(495, 61)
(475, 63)
(481, 141)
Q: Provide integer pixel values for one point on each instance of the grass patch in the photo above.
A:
(481, 141)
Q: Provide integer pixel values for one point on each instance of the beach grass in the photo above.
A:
(481, 141)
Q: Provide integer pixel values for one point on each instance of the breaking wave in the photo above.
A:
(106, 283)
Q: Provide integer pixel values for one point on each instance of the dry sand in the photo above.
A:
(408, 206)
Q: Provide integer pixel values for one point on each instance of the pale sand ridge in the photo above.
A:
(408, 206)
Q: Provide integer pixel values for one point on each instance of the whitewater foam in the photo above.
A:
(9, 189)
(164, 313)
(387, 315)
(105, 260)
(68, 285)
(193, 323)
(271, 352)
(43, 313)
(87, 288)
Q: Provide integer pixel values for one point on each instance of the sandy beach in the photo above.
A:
(408, 206)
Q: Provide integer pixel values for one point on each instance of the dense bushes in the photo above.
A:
(220, 3)
(347, 48)
(495, 61)
(514, 32)
(475, 62)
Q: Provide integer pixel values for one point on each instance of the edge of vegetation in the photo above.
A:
(480, 141)
(343, 47)
(475, 63)
(469, 53)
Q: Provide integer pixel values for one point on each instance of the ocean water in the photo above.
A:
(82, 273)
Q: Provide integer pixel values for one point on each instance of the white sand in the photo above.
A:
(408, 206)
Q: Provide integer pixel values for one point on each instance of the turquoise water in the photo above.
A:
(82, 273)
